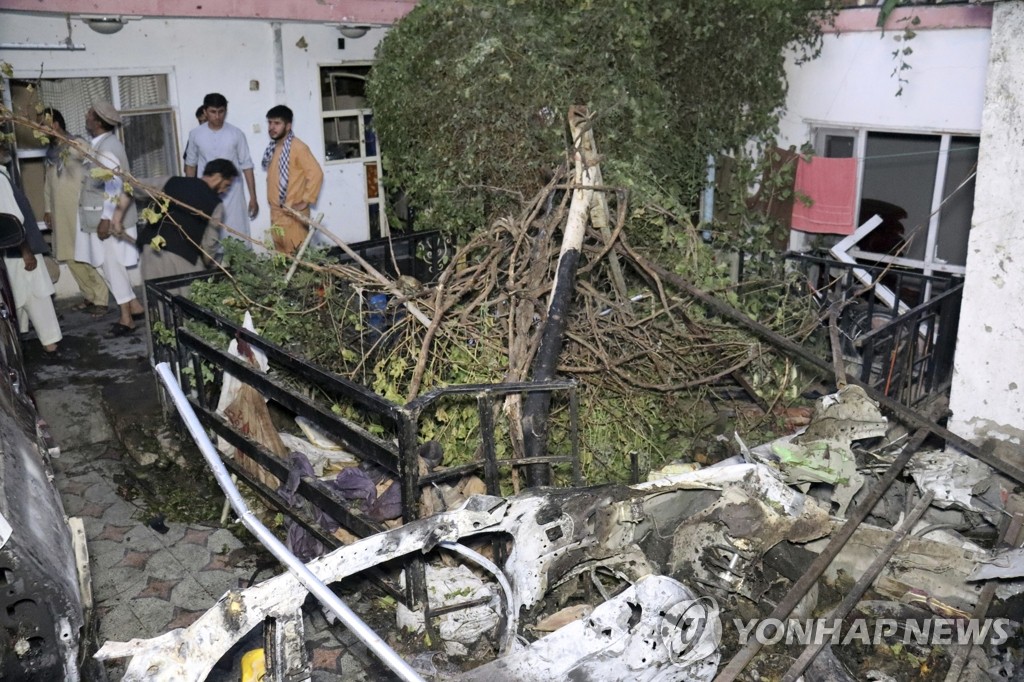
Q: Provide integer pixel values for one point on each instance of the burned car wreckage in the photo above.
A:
(687, 576)
(44, 587)
(634, 580)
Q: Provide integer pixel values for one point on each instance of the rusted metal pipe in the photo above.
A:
(860, 587)
(818, 566)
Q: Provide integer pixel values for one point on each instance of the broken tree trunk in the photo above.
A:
(537, 406)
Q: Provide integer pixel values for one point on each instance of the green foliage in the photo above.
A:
(469, 96)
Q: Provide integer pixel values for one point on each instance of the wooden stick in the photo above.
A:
(369, 269)
(537, 405)
(302, 248)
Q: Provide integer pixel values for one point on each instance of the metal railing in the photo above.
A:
(903, 347)
(377, 430)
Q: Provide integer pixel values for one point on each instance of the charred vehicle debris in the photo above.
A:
(869, 544)
(872, 543)
(44, 593)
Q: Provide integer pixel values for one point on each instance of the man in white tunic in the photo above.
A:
(217, 139)
(111, 254)
(31, 286)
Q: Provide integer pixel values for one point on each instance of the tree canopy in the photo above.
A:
(469, 96)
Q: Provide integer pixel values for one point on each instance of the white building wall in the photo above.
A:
(988, 380)
(968, 81)
(851, 84)
(226, 56)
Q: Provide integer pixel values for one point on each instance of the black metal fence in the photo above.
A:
(900, 342)
(382, 432)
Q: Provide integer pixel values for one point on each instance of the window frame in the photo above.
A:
(931, 264)
(112, 76)
(374, 204)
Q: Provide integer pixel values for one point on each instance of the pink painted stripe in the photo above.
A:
(390, 11)
(352, 11)
(931, 17)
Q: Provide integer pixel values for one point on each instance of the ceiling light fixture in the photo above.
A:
(106, 25)
(353, 31)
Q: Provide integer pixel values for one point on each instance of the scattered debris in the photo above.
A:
(461, 629)
(656, 629)
(598, 572)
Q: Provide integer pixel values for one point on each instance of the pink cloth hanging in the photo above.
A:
(832, 185)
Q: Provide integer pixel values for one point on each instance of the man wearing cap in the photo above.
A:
(101, 191)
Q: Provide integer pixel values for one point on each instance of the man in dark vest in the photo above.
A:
(185, 237)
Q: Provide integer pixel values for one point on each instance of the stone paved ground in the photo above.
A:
(144, 582)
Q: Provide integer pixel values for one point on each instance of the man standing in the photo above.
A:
(294, 179)
(61, 191)
(101, 192)
(31, 286)
(217, 139)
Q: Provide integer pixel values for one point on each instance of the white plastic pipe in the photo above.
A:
(302, 573)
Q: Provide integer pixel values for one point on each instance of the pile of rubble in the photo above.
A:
(796, 552)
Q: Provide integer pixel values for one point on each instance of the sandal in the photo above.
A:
(97, 310)
(139, 317)
(118, 329)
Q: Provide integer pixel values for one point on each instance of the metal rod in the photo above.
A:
(963, 652)
(483, 406)
(512, 622)
(863, 583)
(911, 417)
(63, 47)
(302, 573)
(818, 566)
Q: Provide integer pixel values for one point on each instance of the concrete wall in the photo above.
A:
(850, 84)
(964, 80)
(989, 372)
(216, 55)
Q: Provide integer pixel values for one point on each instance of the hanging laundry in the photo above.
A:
(831, 184)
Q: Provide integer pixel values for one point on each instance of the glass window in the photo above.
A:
(149, 141)
(148, 122)
(957, 200)
(347, 130)
(341, 138)
(922, 186)
(143, 92)
(899, 182)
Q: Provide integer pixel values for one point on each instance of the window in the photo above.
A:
(922, 186)
(348, 123)
(148, 123)
(349, 136)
